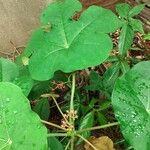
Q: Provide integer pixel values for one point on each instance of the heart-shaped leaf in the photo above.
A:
(70, 45)
(131, 102)
(20, 128)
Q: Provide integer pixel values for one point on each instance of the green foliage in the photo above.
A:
(95, 82)
(125, 39)
(136, 10)
(54, 144)
(70, 45)
(24, 80)
(130, 25)
(147, 36)
(8, 70)
(131, 99)
(110, 76)
(42, 108)
(86, 122)
(20, 127)
(63, 45)
(101, 118)
(136, 25)
(123, 9)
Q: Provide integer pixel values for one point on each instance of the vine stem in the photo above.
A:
(54, 99)
(87, 141)
(60, 110)
(71, 120)
(67, 145)
(98, 127)
(54, 125)
(72, 143)
(72, 93)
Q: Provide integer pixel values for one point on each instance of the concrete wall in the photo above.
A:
(17, 20)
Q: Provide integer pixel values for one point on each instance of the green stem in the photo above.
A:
(72, 93)
(53, 125)
(87, 142)
(60, 110)
(98, 127)
(57, 134)
(72, 98)
(72, 143)
(72, 108)
(67, 145)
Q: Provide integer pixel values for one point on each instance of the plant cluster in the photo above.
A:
(58, 69)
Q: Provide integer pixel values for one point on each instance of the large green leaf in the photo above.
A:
(20, 128)
(131, 102)
(125, 39)
(8, 70)
(68, 45)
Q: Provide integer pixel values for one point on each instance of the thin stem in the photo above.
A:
(87, 141)
(72, 93)
(119, 142)
(72, 143)
(54, 125)
(54, 99)
(57, 134)
(67, 145)
(60, 110)
(98, 127)
(72, 98)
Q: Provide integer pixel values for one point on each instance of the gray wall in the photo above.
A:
(17, 20)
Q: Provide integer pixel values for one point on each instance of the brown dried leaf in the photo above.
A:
(101, 143)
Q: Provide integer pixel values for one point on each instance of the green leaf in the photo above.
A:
(42, 108)
(136, 10)
(70, 45)
(124, 67)
(123, 9)
(95, 82)
(131, 103)
(111, 75)
(24, 80)
(8, 70)
(101, 118)
(137, 25)
(20, 128)
(125, 39)
(89, 107)
(86, 122)
(147, 36)
(54, 144)
(105, 105)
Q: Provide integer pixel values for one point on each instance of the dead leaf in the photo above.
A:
(101, 143)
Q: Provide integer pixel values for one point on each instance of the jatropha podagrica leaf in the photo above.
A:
(68, 45)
